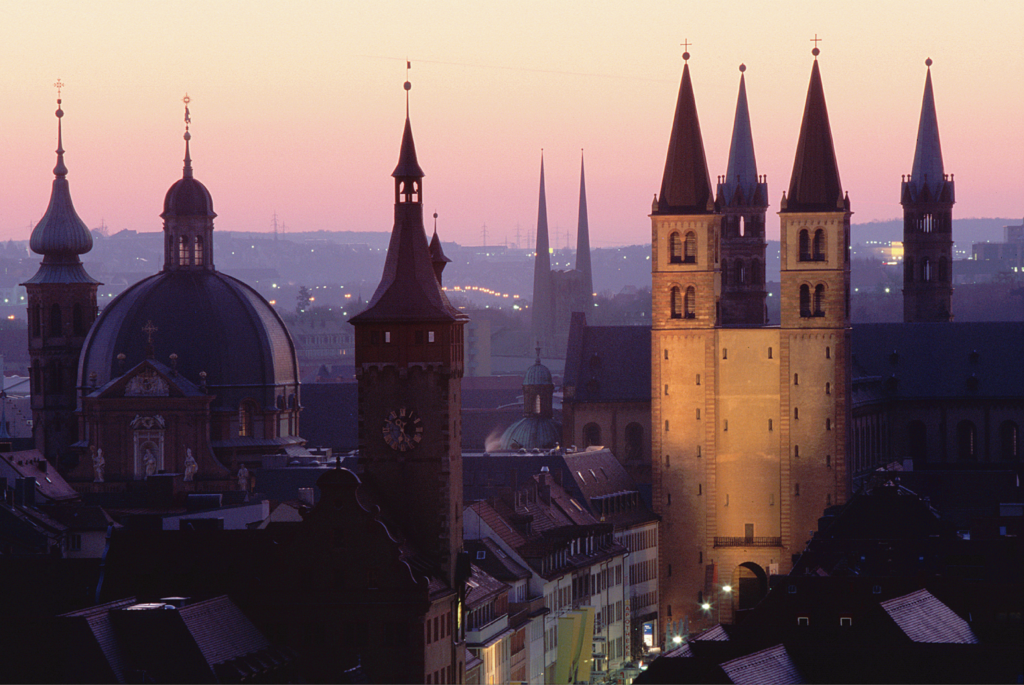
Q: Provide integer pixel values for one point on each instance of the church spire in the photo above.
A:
(61, 236)
(815, 185)
(543, 302)
(685, 185)
(927, 172)
(583, 239)
(437, 255)
(740, 184)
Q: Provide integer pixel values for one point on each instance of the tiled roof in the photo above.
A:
(491, 558)
(716, 634)
(98, 620)
(220, 630)
(607, 363)
(482, 587)
(923, 618)
(26, 464)
(771, 665)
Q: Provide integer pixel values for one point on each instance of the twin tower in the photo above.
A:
(749, 422)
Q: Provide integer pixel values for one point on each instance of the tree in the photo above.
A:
(302, 300)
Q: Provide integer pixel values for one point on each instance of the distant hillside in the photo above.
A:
(965, 231)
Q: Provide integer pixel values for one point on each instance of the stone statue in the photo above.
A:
(98, 462)
(149, 463)
(190, 465)
(243, 478)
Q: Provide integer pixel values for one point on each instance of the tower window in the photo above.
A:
(666, 353)
(966, 441)
(689, 303)
(666, 388)
(770, 425)
(698, 413)
(741, 272)
(769, 353)
(55, 320)
(796, 379)
(908, 270)
(805, 246)
(819, 300)
(926, 270)
(37, 320)
(198, 253)
(666, 425)
(796, 451)
(246, 412)
(698, 379)
(677, 306)
(591, 435)
(700, 489)
(828, 388)
(725, 353)
(387, 336)
(675, 246)
(828, 353)
(943, 270)
(805, 301)
(828, 424)
(77, 321)
(796, 489)
(183, 251)
(430, 336)
(698, 451)
(828, 460)
(796, 412)
(819, 245)
(690, 248)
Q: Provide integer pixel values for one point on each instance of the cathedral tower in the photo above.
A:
(543, 316)
(61, 309)
(409, 365)
(927, 197)
(583, 245)
(743, 198)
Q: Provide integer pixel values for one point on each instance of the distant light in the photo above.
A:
(677, 639)
(727, 589)
(705, 606)
(273, 302)
(11, 317)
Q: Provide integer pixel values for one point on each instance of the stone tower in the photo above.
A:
(927, 197)
(743, 199)
(61, 309)
(409, 365)
(748, 421)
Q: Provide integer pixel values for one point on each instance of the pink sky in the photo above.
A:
(297, 107)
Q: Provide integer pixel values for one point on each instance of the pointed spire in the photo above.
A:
(686, 185)
(742, 170)
(583, 239)
(437, 255)
(407, 167)
(543, 304)
(187, 196)
(927, 170)
(814, 185)
(60, 236)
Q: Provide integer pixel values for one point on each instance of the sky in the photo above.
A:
(298, 107)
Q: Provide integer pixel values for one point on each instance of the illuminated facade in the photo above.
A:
(748, 421)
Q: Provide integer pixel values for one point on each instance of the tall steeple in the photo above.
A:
(437, 255)
(927, 196)
(543, 295)
(814, 185)
(685, 185)
(743, 200)
(583, 240)
(61, 310)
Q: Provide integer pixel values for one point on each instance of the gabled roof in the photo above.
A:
(923, 618)
(221, 631)
(772, 665)
(483, 587)
(685, 185)
(814, 185)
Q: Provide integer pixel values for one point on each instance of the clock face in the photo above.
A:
(403, 429)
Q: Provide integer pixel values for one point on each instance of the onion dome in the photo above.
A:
(60, 236)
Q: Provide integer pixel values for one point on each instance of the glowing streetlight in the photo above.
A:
(727, 589)
(706, 606)
(677, 639)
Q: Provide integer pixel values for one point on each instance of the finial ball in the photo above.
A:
(59, 112)
(408, 86)
(815, 52)
(187, 136)
(686, 55)
(928, 62)
(743, 68)
(435, 215)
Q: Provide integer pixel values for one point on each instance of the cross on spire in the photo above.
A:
(815, 40)
(188, 116)
(686, 49)
(58, 85)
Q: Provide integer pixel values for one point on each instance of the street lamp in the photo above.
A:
(727, 589)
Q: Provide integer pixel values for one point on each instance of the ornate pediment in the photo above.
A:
(147, 383)
(147, 422)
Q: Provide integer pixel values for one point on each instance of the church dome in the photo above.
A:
(188, 197)
(532, 432)
(538, 374)
(215, 324)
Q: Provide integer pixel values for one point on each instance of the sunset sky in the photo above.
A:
(298, 107)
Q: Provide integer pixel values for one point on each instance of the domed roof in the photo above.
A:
(531, 432)
(211, 321)
(188, 197)
(538, 374)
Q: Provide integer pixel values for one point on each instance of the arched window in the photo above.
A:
(56, 327)
(246, 412)
(591, 435)
(741, 272)
(690, 303)
(943, 270)
(1009, 440)
(690, 248)
(926, 269)
(743, 226)
(536, 404)
(78, 322)
(819, 300)
(819, 245)
(198, 259)
(755, 271)
(966, 441)
(805, 245)
(805, 300)
(183, 251)
(908, 270)
(634, 441)
(677, 302)
(675, 246)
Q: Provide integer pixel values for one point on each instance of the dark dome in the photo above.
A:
(188, 197)
(538, 374)
(532, 432)
(213, 322)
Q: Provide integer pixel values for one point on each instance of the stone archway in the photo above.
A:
(750, 585)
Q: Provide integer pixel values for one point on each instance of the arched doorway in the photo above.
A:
(750, 585)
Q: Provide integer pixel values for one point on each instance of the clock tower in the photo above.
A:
(409, 365)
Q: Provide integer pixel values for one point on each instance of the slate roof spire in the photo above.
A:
(741, 175)
(583, 239)
(409, 289)
(685, 185)
(814, 185)
(927, 171)
(543, 302)
(437, 256)
(61, 236)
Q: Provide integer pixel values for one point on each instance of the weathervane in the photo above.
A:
(58, 85)
(188, 117)
(815, 40)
